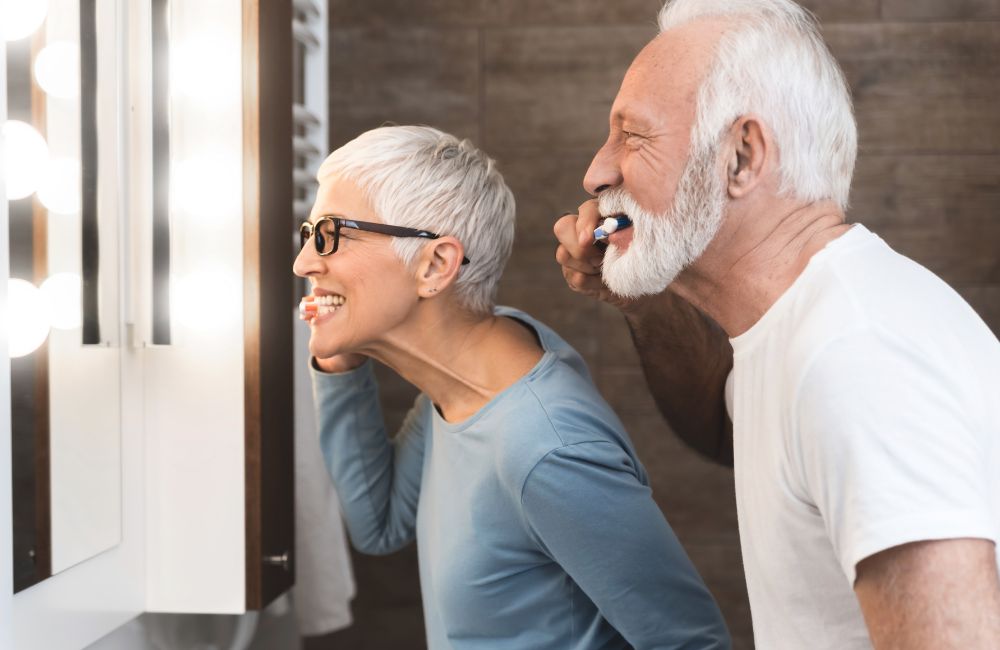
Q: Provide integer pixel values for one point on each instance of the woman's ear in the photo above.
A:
(747, 147)
(438, 266)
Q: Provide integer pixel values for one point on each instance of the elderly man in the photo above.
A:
(864, 394)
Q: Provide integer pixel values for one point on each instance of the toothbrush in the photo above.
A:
(308, 308)
(610, 226)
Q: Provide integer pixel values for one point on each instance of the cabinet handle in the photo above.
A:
(283, 560)
(161, 173)
(90, 253)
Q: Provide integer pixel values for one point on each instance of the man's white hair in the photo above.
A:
(420, 177)
(773, 63)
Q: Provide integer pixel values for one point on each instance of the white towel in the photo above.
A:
(324, 583)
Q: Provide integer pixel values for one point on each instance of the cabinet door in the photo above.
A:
(219, 391)
(270, 300)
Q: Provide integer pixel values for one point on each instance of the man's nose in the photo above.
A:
(604, 172)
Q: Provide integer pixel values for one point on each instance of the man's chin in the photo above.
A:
(626, 281)
(631, 288)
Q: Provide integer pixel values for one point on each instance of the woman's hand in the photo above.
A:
(340, 363)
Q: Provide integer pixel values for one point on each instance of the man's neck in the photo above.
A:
(754, 259)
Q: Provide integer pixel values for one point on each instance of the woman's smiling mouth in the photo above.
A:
(313, 306)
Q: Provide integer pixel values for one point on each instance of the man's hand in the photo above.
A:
(580, 259)
(340, 363)
(940, 594)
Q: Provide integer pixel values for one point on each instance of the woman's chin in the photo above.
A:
(323, 350)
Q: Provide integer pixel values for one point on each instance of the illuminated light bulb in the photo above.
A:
(208, 186)
(20, 18)
(27, 318)
(60, 188)
(57, 69)
(63, 296)
(25, 159)
(207, 70)
(207, 301)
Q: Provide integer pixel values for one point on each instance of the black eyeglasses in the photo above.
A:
(326, 233)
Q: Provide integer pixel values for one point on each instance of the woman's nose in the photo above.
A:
(307, 262)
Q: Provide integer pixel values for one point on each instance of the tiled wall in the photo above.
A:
(532, 82)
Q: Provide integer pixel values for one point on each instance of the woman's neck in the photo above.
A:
(460, 361)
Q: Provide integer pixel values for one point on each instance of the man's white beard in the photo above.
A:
(664, 245)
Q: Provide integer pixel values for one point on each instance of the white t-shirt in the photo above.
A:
(867, 415)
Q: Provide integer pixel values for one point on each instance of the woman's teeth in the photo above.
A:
(312, 306)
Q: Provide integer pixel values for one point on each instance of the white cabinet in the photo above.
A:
(194, 148)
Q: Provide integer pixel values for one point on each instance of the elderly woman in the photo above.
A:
(534, 519)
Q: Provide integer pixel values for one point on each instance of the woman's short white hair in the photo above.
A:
(420, 177)
(773, 63)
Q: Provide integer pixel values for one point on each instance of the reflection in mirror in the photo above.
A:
(63, 314)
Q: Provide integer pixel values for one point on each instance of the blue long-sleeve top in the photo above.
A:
(534, 520)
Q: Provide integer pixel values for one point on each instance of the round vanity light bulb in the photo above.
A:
(60, 189)
(208, 186)
(63, 296)
(25, 158)
(57, 69)
(27, 318)
(20, 18)
(208, 300)
(205, 69)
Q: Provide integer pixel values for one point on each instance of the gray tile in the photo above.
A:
(546, 185)
(986, 301)
(352, 13)
(942, 211)
(938, 10)
(573, 12)
(549, 89)
(625, 389)
(721, 566)
(922, 87)
(616, 343)
(834, 11)
(405, 75)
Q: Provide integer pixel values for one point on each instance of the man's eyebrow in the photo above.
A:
(622, 117)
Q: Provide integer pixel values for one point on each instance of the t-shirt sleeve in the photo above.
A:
(890, 448)
(377, 478)
(590, 513)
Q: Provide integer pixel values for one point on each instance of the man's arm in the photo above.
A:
(932, 595)
(685, 356)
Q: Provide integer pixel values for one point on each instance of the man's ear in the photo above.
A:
(747, 147)
(438, 266)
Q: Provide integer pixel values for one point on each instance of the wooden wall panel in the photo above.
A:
(573, 13)
(546, 91)
(941, 10)
(439, 13)
(922, 88)
(406, 75)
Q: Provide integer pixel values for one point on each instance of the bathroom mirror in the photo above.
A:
(64, 306)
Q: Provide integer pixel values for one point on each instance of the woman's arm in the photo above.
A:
(592, 515)
(377, 479)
